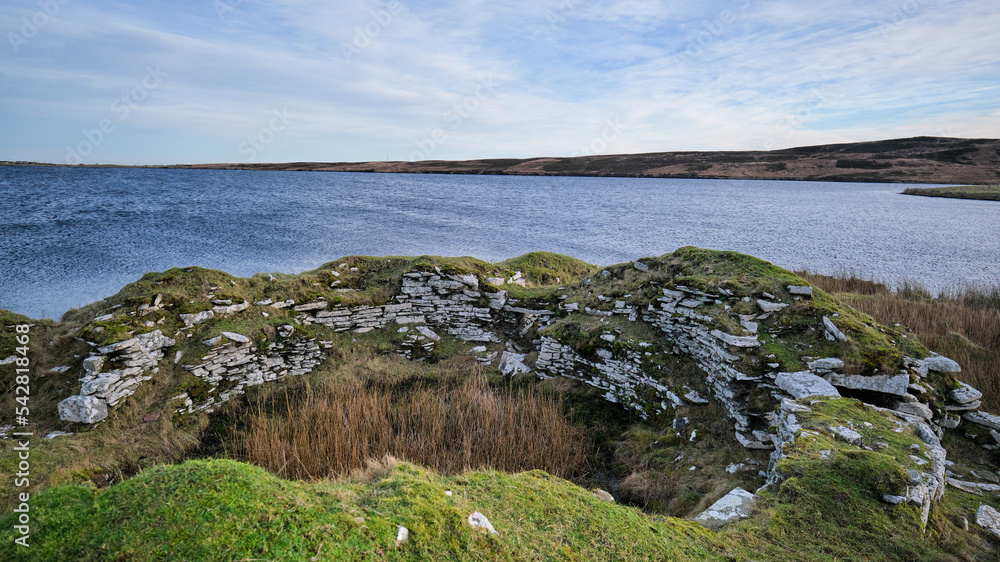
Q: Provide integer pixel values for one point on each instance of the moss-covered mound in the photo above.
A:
(223, 510)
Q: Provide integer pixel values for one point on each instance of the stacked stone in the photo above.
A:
(426, 298)
(622, 379)
(688, 331)
(239, 362)
(101, 390)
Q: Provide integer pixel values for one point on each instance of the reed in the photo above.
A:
(338, 428)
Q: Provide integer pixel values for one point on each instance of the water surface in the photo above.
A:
(71, 236)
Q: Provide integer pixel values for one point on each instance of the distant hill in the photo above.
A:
(912, 160)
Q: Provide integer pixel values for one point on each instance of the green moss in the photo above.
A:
(546, 268)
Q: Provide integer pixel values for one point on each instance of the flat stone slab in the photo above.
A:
(800, 290)
(825, 364)
(942, 364)
(832, 329)
(984, 419)
(734, 506)
(238, 338)
(896, 385)
(736, 341)
(804, 383)
(965, 394)
(768, 306)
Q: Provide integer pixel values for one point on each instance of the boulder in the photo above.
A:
(83, 409)
(640, 266)
(896, 385)
(734, 506)
(804, 383)
(989, 519)
(942, 364)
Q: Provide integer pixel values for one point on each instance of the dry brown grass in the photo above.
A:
(335, 429)
(962, 322)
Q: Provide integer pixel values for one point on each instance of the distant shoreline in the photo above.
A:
(932, 160)
(980, 192)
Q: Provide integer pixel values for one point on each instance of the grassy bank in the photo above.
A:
(984, 192)
(962, 323)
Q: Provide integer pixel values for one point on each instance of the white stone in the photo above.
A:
(640, 266)
(231, 309)
(833, 331)
(826, 364)
(734, 506)
(402, 533)
(804, 383)
(768, 306)
(479, 521)
(83, 409)
(238, 338)
(512, 363)
(311, 306)
(805, 291)
(847, 434)
(427, 332)
(736, 341)
(989, 519)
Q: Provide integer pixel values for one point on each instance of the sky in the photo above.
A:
(198, 81)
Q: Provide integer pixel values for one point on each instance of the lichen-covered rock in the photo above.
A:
(942, 364)
(734, 506)
(989, 519)
(83, 409)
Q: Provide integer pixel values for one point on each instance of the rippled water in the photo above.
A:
(71, 236)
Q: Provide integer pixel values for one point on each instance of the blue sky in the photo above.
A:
(196, 81)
